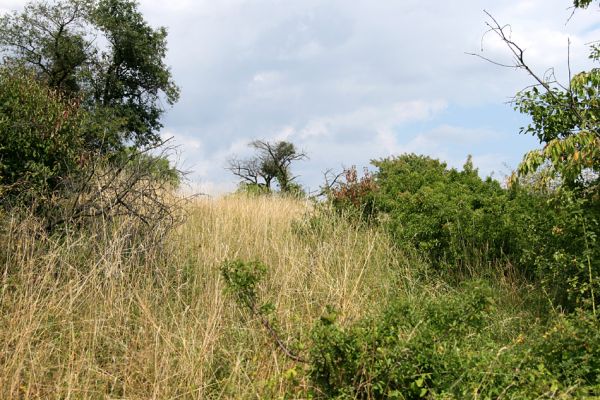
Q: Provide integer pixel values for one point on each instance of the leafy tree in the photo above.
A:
(79, 120)
(46, 167)
(103, 52)
(564, 118)
(582, 3)
(271, 163)
(566, 122)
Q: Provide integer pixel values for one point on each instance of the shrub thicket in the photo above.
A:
(76, 140)
(450, 215)
(47, 168)
(41, 139)
(448, 347)
(465, 224)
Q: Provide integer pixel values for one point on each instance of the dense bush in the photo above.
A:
(407, 352)
(41, 139)
(453, 216)
(354, 192)
(464, 223)
(555, 242)
(447, 347)
(48, 169)
(252, 189)
(78, 123)
(451, 344)
(570, 350)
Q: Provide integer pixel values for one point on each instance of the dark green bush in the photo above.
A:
(465, 342)
(242, 279)
(411, 351)
(554, 240)
(49, 170)
(41, 140)
(157, 166)
(252, 189)
(453, 216)
(570, 350)
(450, 347)
(463, 223)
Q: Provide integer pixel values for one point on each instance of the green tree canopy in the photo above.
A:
(565, 119)
(102, 52)
(582, 3)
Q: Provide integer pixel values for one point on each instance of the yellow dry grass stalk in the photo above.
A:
(98, 315)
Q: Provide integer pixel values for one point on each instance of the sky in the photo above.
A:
(352, 81)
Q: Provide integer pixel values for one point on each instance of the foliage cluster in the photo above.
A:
(564, 117)
(445, 213)
(566, 122)
(101, 52)
(464, 223)
(354, 192)
(79, 123)
(447, 348)
(455, 343)
(40, 133)
(242, 278)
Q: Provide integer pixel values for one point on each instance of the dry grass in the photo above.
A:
(104, 316)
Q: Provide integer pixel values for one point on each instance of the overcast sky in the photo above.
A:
(351, 81)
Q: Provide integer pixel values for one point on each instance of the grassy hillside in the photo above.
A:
(104, 313)
(85, 316)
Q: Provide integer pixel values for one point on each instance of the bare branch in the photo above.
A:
(330, 179)
(518, 53)
(493, 61)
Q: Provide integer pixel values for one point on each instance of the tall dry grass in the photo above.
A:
(100, 314)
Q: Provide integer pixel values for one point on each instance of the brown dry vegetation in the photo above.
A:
(104, 315)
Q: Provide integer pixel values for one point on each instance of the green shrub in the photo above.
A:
(454, 217)
(252, 189)
(41, 139)
(157, 166)
(570, 350)
(294, 190)
(447, 343)
(464, 223)
(450, 347)
(242, 279)
(411, 351)
(555, 242)
(48, 169)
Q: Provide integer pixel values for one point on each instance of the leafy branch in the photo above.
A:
(242, 279)
(564, 117)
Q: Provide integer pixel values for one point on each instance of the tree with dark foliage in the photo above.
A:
(82, 84)
(102, 52)
(271, 163)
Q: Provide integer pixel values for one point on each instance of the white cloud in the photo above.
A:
(371, 119)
